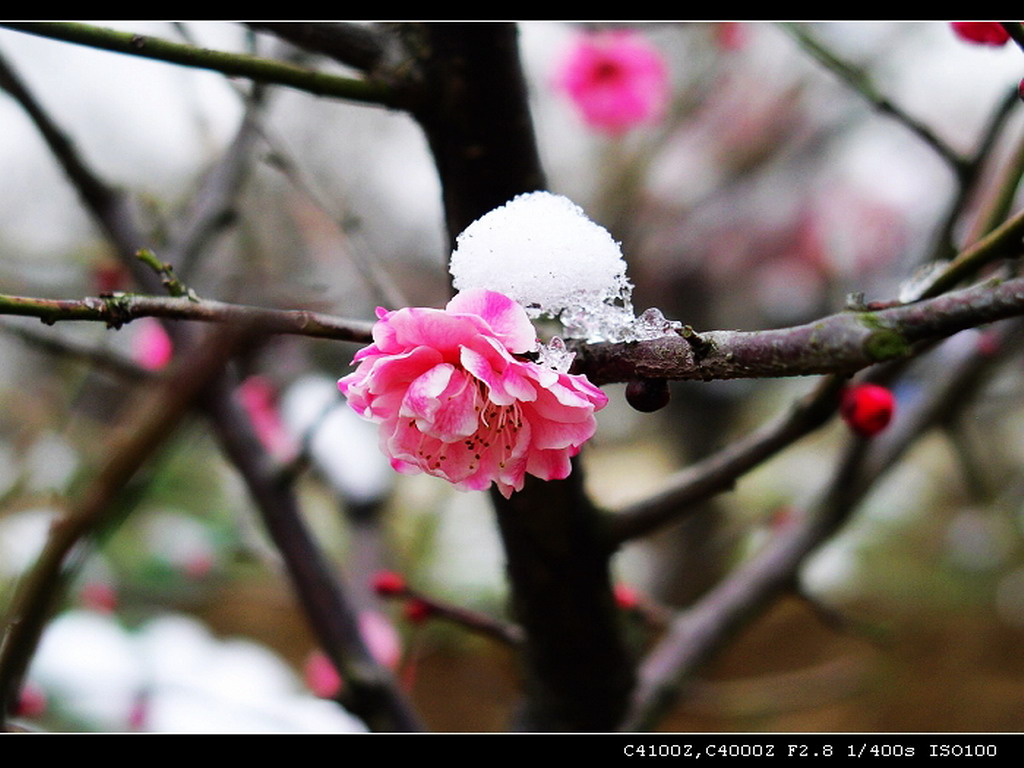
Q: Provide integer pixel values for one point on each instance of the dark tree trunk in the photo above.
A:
(578, 671)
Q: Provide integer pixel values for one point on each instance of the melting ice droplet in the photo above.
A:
(542, 251)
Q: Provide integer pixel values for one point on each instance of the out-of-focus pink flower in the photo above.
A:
(731, 35)
(99, 596)
(109, 275)
(381, 639)
(259, 399)
(31, 702)
(616, 79)
(321, 676)
(454, 401)
(151, 346)
(981, 32)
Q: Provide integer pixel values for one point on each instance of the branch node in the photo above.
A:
(117, 310)
(701, 346)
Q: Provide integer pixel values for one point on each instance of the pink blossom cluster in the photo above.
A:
(455, 399)
(616, 79)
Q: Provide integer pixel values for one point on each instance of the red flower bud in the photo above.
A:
(417, 611)
(388, 584)
(99, 596)
(648, 395)
(867, 408)
(31, 702)
(981, 32)
(626, 597)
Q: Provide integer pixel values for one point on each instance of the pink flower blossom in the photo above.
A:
(151, 346)
(453, 400)
(981, 32)
(617, 80)
(381, 640)
(259, 399)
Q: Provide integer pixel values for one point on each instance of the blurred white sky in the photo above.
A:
(152, 126)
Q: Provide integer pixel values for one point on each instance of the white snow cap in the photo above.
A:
(542, 251)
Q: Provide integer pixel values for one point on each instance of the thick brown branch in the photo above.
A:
(840, 343)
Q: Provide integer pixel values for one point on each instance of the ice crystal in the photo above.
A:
(554, 355)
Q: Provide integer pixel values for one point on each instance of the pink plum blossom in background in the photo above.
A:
(259, 399)
(616, 79)
(981, 32)
(151, 346)
(381, 640)
(454, 401)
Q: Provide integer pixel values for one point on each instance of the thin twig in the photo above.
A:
(697, 633)
(374, 695)
(361, 46)
(141, 435)
(258, 69)
(859, 81)
(121, 308)
(96, 358)
(719, 472)
(944, 247)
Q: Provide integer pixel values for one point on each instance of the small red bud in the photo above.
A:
(647, 395)
(867, 408)
(626, 597)
(388, 584)
(417, 611)
(981, 32)
(99, 596)
(989, 342)
(31, 702)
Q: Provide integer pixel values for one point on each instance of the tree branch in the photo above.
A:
(840, 343)
(258, 69)
(695, 634)
(142, 433)
(122, 308)
(357, 45)
(372, 691)
(859, 81)
(720, 471)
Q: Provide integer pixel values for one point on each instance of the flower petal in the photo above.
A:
(504, 316)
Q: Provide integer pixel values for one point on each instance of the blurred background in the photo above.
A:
(767, 192)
